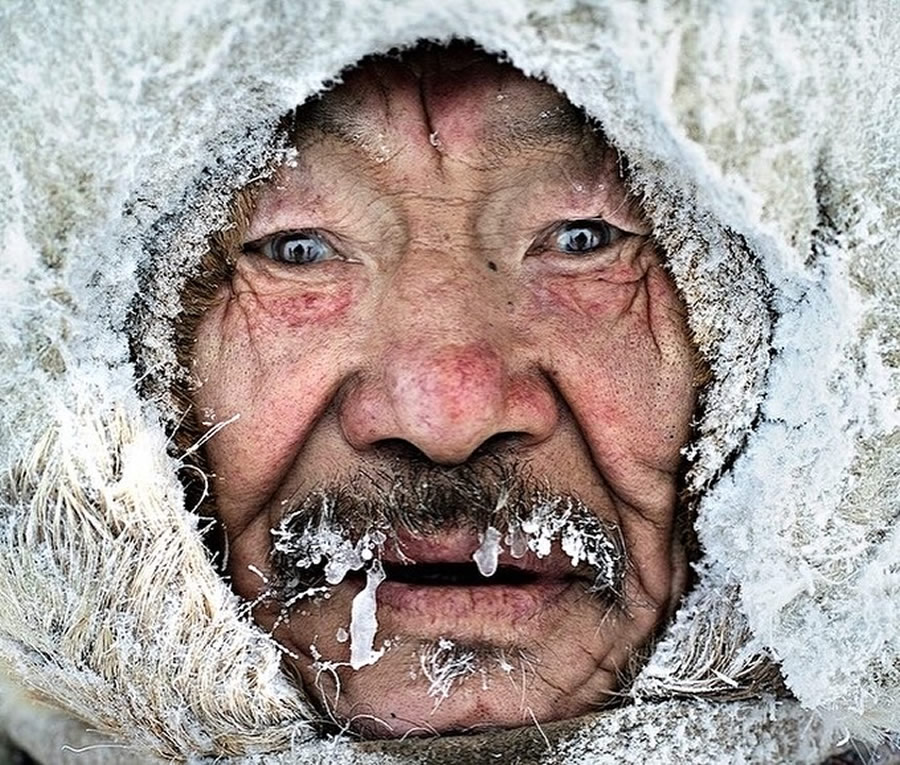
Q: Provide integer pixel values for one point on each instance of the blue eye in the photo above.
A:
(578, 237)
(297, 247)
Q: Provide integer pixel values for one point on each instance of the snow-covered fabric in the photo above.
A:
(763, 140)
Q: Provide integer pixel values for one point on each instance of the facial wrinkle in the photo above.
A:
(424, 96)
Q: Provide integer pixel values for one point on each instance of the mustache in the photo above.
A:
(343, 526)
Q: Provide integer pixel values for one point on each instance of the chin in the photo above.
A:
(426, 688)
(498, 660)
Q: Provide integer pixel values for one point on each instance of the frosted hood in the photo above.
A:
(763, 142)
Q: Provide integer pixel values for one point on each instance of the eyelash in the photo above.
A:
(608, 235)
(604, 234)
(268, 245)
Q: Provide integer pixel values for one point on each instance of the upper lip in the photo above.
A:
(459, 546)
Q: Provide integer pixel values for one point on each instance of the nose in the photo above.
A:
(447, 399)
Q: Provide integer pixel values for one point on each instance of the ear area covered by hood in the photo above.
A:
(762, 140)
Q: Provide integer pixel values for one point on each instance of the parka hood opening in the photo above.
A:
(792, 477)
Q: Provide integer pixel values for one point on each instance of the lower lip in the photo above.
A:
(450, 603)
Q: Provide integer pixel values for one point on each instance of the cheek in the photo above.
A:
(599, 295)
(263, 305)
(252, 345)
(584, 314)
(274, 359)
(303, 309)
(622, 357)
(265, 334)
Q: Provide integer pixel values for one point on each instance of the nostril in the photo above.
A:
(507, 443)
(498, 445)
(396, 449)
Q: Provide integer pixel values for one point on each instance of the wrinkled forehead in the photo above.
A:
(459, 102)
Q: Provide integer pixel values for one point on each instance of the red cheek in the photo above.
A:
(299, 309)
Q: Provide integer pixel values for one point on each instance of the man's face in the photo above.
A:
(448, 325)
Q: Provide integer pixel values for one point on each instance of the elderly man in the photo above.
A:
(448, 334)
(401, 382)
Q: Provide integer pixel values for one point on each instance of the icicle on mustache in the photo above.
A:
(318, 544)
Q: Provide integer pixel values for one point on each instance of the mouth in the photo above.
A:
(458, 575)
(503, 586)
(439, 584)
(462, 574)
(530, 544)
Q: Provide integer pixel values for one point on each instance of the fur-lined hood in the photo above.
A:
(763, 142)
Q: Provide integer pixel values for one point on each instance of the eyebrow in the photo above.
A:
(547, 128)
(318, 118)
(555, 125)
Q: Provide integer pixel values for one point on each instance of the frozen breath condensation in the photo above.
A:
(363, 621)
(487, 555)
